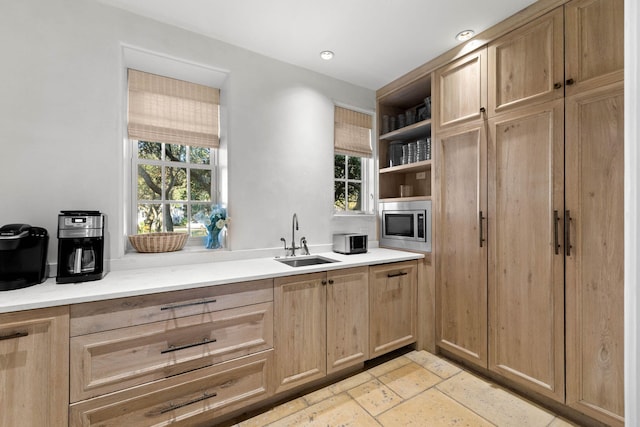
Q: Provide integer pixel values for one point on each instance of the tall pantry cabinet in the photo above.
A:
(529, 207)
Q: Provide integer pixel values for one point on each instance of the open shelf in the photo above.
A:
(406, 199)
(416, 130)
(411, 167)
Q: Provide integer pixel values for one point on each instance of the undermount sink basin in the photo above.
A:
(305, 260)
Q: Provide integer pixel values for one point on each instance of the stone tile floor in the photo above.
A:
(414, 389)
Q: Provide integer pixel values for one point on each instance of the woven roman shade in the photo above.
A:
(352, 133)
(172, 111)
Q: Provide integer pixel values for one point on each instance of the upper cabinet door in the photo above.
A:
(460, 92)
(594, 43)
(526, 66)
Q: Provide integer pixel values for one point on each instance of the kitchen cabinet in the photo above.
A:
(34, 367)
(191, 399)
(321, 324)
(461, 263)
(393, 306)
(594, 40)
(526, 66)
(595, 258)
(407, 98)
(460, 90)
(525, 277)
(173, 346)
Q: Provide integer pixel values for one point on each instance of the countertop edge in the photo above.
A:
(128, 283)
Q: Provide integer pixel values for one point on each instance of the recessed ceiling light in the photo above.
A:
(464, 35)
(326, 55)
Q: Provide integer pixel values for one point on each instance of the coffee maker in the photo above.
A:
(80, 246)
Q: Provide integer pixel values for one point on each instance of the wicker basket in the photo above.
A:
(158, 242)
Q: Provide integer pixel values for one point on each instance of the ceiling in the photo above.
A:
(374, 41)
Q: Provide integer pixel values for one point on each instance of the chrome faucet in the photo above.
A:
(291, 251)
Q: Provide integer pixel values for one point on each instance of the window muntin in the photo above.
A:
(351, 184)
(175, 186)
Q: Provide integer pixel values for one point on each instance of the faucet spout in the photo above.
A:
(294, 227)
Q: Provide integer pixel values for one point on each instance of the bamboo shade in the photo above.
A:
(172, 111)
(352, 133)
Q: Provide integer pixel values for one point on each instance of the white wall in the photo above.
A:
(61, 124)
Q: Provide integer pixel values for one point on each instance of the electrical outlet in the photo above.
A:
(421, 175)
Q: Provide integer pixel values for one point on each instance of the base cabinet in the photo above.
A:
(393, 294)
(34, 368)
(320, 325)
(191, 399)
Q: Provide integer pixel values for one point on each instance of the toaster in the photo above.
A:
(351, 243)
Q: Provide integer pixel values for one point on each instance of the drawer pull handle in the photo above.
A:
(402, 273)
(12, 336)
(188, 304)
(183, 347)
(171, 406)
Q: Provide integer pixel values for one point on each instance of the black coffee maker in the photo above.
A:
(80, 246)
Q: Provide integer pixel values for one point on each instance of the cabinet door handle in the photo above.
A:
(188, 304)
(324, 282)
(480, 219)
(569, 82)
(182, 347)
(331, 281)
(14, 335)
(556, 243)
(557, 85)
(171, 406)
(567, 231)
(401, 273)
(482, 110)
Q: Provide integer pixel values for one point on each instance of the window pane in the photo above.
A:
(178, 218)
(339, 166)
(339, 202)
(149, 218)
(355, 168)
(149, 182)
(355, 197)
(149, 150)
(176, 183)
(200, 184)
(175, 153)
(199, 217)
(200, 155)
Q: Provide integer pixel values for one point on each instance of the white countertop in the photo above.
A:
(125, 283)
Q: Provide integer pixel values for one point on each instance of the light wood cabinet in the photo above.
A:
(347, 318)
(34, 367)
(392, 174)
(594, 40)
(112, 360)
(186, 356)
(526, 277)
(393, 306)
(460, 90)
(191, 399)
(595, 260)
(321, 324)
(461, 264)
(526, 66)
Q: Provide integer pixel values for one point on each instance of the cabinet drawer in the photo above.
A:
(113, 360)
(119, 313)
(191, 399)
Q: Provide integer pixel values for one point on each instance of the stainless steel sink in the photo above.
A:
(305, 260)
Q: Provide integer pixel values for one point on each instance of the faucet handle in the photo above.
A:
(303, 245)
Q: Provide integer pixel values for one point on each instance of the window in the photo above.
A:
(175, 186)
(353, 163)
(173, 129)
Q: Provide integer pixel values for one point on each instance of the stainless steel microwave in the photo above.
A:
(406, 225)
